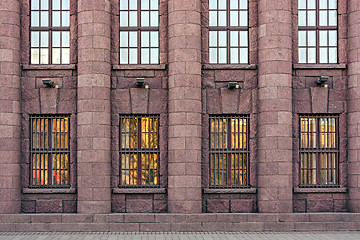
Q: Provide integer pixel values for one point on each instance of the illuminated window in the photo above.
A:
(228, 32)
(139, 151)
(317, 36)
(49, 151)
(50, 32)
(319, 150)
(139, 31)
(229, 151)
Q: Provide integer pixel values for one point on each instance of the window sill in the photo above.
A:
(139, 67)
(138, 190)
(48, 190)
(49, 67)
(229, 66)
(320, 190)
(319, 66)
(229, 190)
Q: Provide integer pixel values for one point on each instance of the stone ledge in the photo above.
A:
(48, 190)
(320, 66)
(229, 66)
(138, 190)
(49, 67)
(229, 190)
(139, 67)
(320, 190)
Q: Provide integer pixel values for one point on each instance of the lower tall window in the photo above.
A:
(319, 150)
(229, 151)
(49, 151)
(139, 150)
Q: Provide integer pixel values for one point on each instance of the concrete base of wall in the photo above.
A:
(179, 222)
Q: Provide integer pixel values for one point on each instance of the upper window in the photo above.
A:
(229, 151)
(319, 150)
(49, 151)
(50, 32)
(228, 32)
(139, 32)
(139, 151)
(317, 36)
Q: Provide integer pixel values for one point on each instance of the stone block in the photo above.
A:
(139, 206)
(217, 206)
(241, 205)
(49, 206)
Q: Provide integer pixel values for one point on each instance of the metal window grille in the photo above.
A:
(49, 151)
(228, 32)
(319, 151)
(139, 31)
(229, 151)
(50, 32)
(139, 151)
(317, 31)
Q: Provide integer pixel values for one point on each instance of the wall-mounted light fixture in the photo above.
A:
(140, 83)
(48, 83)
(233, 85)
(322, 81)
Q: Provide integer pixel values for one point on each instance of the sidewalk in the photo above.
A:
(184, 236)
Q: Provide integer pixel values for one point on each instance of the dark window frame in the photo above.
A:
(139, 151)
(318, 151)
(244, 151)
(50, 150)
(50, 29)
(317, 28)
(229, 29)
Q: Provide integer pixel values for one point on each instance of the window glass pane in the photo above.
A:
(44, 19)
(244, 55)
(323, 4)
(234, 18)
(133, 19)
(323, 55)
(243, 4)
(301, 4)
(311, 4)
(302, 55)
(244, 39)
(154, 56)
(145, 39)
(34, 19)
(212, 18)
(132, 5)
(323, 18)
(44, 56)
(323, 38)
(56, 5)
(145, 5)
(302, 38)
(234, 4)
(222, 18)
(44, 5)
(311, 18)
(332, 4)
(34, 39)
(212, 4)
(56, 39)
(56, 56)
(145, 19)
(234, 55)
(154, 39)
(302, 18)
(56, 19)
(154, 4)
(332, 18)
(124, 56)
(124, 4)
(133, 56)
(65, 39)
(44, 42)
(154, 19)
(34, 4)
(311, 38)
(332, 38)
(133, 39)
(311, 55)
(234, 38)
(65, 4)
(332, 55)
(124, 41)
(222, 39)
(66, 56)
(124, 19)
(243, 19)
(222, 55)
(213, 55)
(35, 56)
(66, 19)
(212, 38)
(222, 5)
(145, 56)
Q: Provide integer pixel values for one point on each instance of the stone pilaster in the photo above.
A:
(275, 107)
(93, 104)
(184, 162)
(354, 106)
(10, 106)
